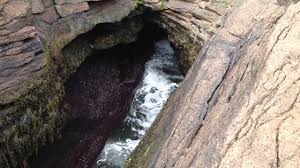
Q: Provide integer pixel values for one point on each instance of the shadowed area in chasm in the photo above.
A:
(99, 96)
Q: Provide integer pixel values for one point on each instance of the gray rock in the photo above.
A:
(69, 9)
(47, 3)
(37, 6)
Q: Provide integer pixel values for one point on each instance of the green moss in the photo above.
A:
(139, 2)
(162, 5)
(34, 115)
(186, 47)
(26, 115)
(127, 33)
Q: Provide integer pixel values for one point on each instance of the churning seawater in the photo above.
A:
(160, 79)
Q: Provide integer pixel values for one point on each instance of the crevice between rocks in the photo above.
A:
(120, 38)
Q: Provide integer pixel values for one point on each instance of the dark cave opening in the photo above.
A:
(98, 97)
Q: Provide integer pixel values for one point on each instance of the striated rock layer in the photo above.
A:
(34, 66)
(239, 105)
(189, 24)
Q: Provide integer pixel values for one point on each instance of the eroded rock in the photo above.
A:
(238, 106)
(33, 70)
(189, 24)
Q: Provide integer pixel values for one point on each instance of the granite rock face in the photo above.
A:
(239, 105)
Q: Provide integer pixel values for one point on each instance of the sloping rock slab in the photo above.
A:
(240, 103)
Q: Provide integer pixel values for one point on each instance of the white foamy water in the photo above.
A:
(161, 78)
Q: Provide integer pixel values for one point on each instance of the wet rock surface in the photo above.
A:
(239, 104)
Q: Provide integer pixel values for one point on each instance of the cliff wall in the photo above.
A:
(33, 67)
(239, 104)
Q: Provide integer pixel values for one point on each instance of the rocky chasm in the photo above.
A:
(238, 105)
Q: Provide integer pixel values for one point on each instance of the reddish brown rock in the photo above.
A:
(50, 15)
(31, 75)
(240, 102)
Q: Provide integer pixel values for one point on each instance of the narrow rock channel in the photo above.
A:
(160, 79)
(113, 98)
(98, 96)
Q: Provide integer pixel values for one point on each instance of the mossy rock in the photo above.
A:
(35, 115)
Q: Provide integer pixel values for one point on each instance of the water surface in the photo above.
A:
(160, 79)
